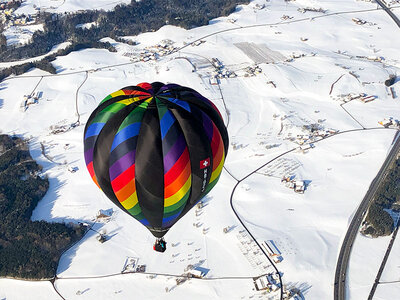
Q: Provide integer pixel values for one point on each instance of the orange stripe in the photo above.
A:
(122, 179)
(175, 186)
(95, 181)
(126, 191)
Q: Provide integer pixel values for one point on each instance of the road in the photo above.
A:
(389, 12)
(382, 267)
(344, 255)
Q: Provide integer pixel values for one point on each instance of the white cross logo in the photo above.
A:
(205, 163)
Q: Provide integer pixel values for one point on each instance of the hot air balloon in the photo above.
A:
(155, 150)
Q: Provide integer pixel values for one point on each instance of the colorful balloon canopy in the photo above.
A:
(155, 150)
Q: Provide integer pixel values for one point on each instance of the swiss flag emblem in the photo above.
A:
(204, 163)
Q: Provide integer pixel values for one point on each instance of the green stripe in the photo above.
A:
(161, 108)
(115, 107)
(103, 117)
(135, 116)
(135, 211)
(173, 209)
(105, 99)
(212, 184)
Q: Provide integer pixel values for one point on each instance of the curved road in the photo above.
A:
(389, 12)
(344, 255)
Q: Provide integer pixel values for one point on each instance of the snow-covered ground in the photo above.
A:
(21, 34)
(61, 6)
(366, 262)
(265, 113)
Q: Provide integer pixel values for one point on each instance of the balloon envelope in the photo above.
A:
(155, 150)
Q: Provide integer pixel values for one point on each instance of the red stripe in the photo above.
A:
(218, 156)
(215, 108)
(177, 168)
(123, 179)
(134, 93)
(145, 85)
(216, 140)
(90, 169)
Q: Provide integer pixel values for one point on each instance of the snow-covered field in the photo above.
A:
(61, 6)
(265, 114)
(21, 34)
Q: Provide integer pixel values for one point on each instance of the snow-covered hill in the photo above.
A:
(310, 65)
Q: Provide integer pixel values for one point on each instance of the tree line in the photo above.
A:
(378, 221)
(28, 249)
(131, 19)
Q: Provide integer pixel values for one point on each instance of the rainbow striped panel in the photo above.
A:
(177, 170)
(122, 161)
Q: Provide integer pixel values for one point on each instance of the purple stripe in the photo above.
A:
(207, 124)
(174, 153)
(89, 156)
(169, 86)
(122, 164)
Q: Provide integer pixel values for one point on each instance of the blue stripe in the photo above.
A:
(166, 222)
(126, 133)
(94, 129)
(181, 103)
(166, 122)
(144, 222)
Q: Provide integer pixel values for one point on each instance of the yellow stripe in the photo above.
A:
(117, 93)
(129, 100)
(130, 202)
(179, 194)
(218, 170)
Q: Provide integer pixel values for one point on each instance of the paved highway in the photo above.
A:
(344, 255)
(382, 267)
(389, 12)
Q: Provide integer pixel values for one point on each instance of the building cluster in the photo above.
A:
(390, 123)
(298, 186)
(252, 71)
(153, 52)
(294, 55)
(31, 99)
(362, 97)
(219, 71)
(258, 6)
(252, 252)
(268, 282)
(359, 21)
(272, 250)
(388, 3)
(313, 9)
(313, 132)
(198, 43)
(104, 215)
(8, 17)
(286, 17)
(132, 266)
(371, 58)
(57, 129)
(192, 271)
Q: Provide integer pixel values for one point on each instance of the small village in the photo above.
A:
(9, 18)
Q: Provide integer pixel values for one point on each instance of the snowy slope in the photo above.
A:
(263, 123)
